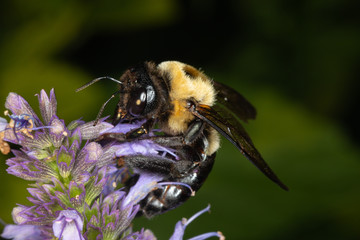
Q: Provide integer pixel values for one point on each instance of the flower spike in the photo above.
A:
(77, 189)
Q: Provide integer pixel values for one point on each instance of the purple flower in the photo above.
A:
(145, 184)
(107, 218)
(22, 232)
(48, 199)
(35, 135)
(112, 215)
(181, 226)
(68, 225)
(44, 144)
(27, 167)
(19, 106)
(66, 174)
(76, 191)
(26, 232)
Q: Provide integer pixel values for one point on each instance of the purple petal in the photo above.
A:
(178, 232)
(143, 147)
(53, 100)
(123, 127)
(38, 194)
(23, 169)
(16, 214)
(41, 141)
(68, 225)
(145, 184)
(83, 178)
(89, 131)
(209, 235)
(181, 225)
(57, 131)
(108, 155)
(47, 106)
(101, 178)
(18, 105)
(40, 213)
(57, 126)
(94, 151)
(114, 197)
(74, 124)
(29, 168)
(87, 158)
(22, 232)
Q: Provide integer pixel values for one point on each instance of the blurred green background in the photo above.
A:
(296, 61)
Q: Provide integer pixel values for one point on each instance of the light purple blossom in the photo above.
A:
(181, 226)
(145, 184)
(105, 216)
(22, 232)
(144, 147)
(19, 106)
(68, 225)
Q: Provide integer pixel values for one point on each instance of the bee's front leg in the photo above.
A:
(131, 135)
(142, 130)
(120, 137)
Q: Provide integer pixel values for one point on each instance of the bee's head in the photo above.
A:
(137, 94)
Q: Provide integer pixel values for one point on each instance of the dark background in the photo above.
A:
(296, 61)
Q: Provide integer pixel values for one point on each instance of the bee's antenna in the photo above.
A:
(96, 80)
(103, 107)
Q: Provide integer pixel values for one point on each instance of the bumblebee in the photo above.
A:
(191, 110)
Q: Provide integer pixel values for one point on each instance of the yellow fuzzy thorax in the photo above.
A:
(184, 87)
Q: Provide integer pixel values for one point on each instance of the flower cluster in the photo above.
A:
(73, 192)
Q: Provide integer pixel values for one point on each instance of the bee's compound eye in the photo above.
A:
(137, 102)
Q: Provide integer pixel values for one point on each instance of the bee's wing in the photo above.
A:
(234, 101)
(228, 126)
